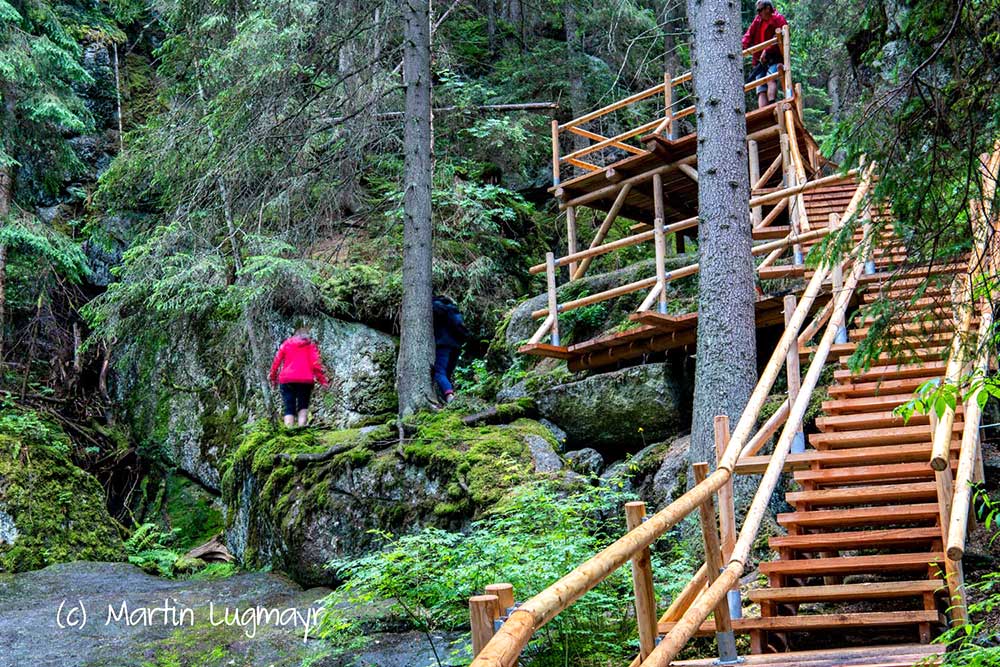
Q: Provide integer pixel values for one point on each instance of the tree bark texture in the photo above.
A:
(416, 341)
(6, 193)
(726, 366)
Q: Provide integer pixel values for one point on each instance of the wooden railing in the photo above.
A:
(727, 553)
(661, 123)
(657, 284)
(955, 493)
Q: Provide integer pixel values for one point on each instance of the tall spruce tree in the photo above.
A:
(39, 67)
(416, 341)
(726, 366)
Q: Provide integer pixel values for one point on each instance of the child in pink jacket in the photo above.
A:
(297, 367)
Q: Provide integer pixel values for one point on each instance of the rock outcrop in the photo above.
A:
(290, 511)
(617, 410)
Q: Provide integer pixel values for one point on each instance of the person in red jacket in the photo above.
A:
(765, 62)
(297, 367)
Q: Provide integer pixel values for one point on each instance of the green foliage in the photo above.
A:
(535, 536)
(976, 643)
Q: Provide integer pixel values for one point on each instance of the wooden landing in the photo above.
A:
(682, 200)
(900, 655)
(656, 333)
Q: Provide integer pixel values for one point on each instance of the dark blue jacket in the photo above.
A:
(449, 328)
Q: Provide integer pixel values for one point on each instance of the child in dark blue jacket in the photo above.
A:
(449, 336)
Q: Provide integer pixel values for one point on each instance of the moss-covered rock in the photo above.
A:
(190, 401)
(297, 516)
(51, 511)
(616, 410)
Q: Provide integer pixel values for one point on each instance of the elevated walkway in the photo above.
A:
(647, 175)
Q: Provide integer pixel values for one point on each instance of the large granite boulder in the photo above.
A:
(616, 411)
(185, 403)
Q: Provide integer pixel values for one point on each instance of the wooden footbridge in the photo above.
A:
(870, 568)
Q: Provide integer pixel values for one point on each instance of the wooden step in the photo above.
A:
(781, 271)
(813, 622)
(909, 355)
(897, 655)
(914, 273)
(856, 539)
(867, 495)
(866, 420)
(910, 329)
(862, 389)
(887, 473)
(755, 465)
(845, 565)
(881, 402)
(771, 232)
(880, 590)
(894, 371)
(545, 350)
(861, 516)
(875, 437)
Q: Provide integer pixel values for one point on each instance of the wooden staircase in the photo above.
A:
(863, 557)
(864, 530)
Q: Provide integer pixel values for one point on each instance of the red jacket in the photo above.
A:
(761, 31)
(299, 361)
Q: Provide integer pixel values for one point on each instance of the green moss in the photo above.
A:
(190, 512)
(59, 510)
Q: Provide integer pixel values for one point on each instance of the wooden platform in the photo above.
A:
(682, 201)
(655, 333)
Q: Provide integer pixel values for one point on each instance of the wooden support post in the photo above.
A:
(754, 157)
(713, 558)
(660, 240)
(668, 104)
(957, 603)
(727, 508)
(571, 237)
(838, 286)
(550, 279)
(505, 597)
(786, 50)
(481, 615)
(555, 152)
(642, 582)
(793, 373)
(602, 231)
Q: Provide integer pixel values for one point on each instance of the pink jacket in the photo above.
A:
(299, 361)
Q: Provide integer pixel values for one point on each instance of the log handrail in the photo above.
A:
(676, 274)
(657, 125)
(506, 645)
(681, 633)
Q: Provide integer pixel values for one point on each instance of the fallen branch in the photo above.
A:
(504, 413)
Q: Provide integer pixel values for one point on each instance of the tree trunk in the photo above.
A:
(574, 49)
(726, 366)
(673, 19)
(416, 341)
(6, 193)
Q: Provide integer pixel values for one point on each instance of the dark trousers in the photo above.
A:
(445, 359)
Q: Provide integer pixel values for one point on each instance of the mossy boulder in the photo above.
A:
(617, 411)
(51, 511)
(298, 515)
(189, 401)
